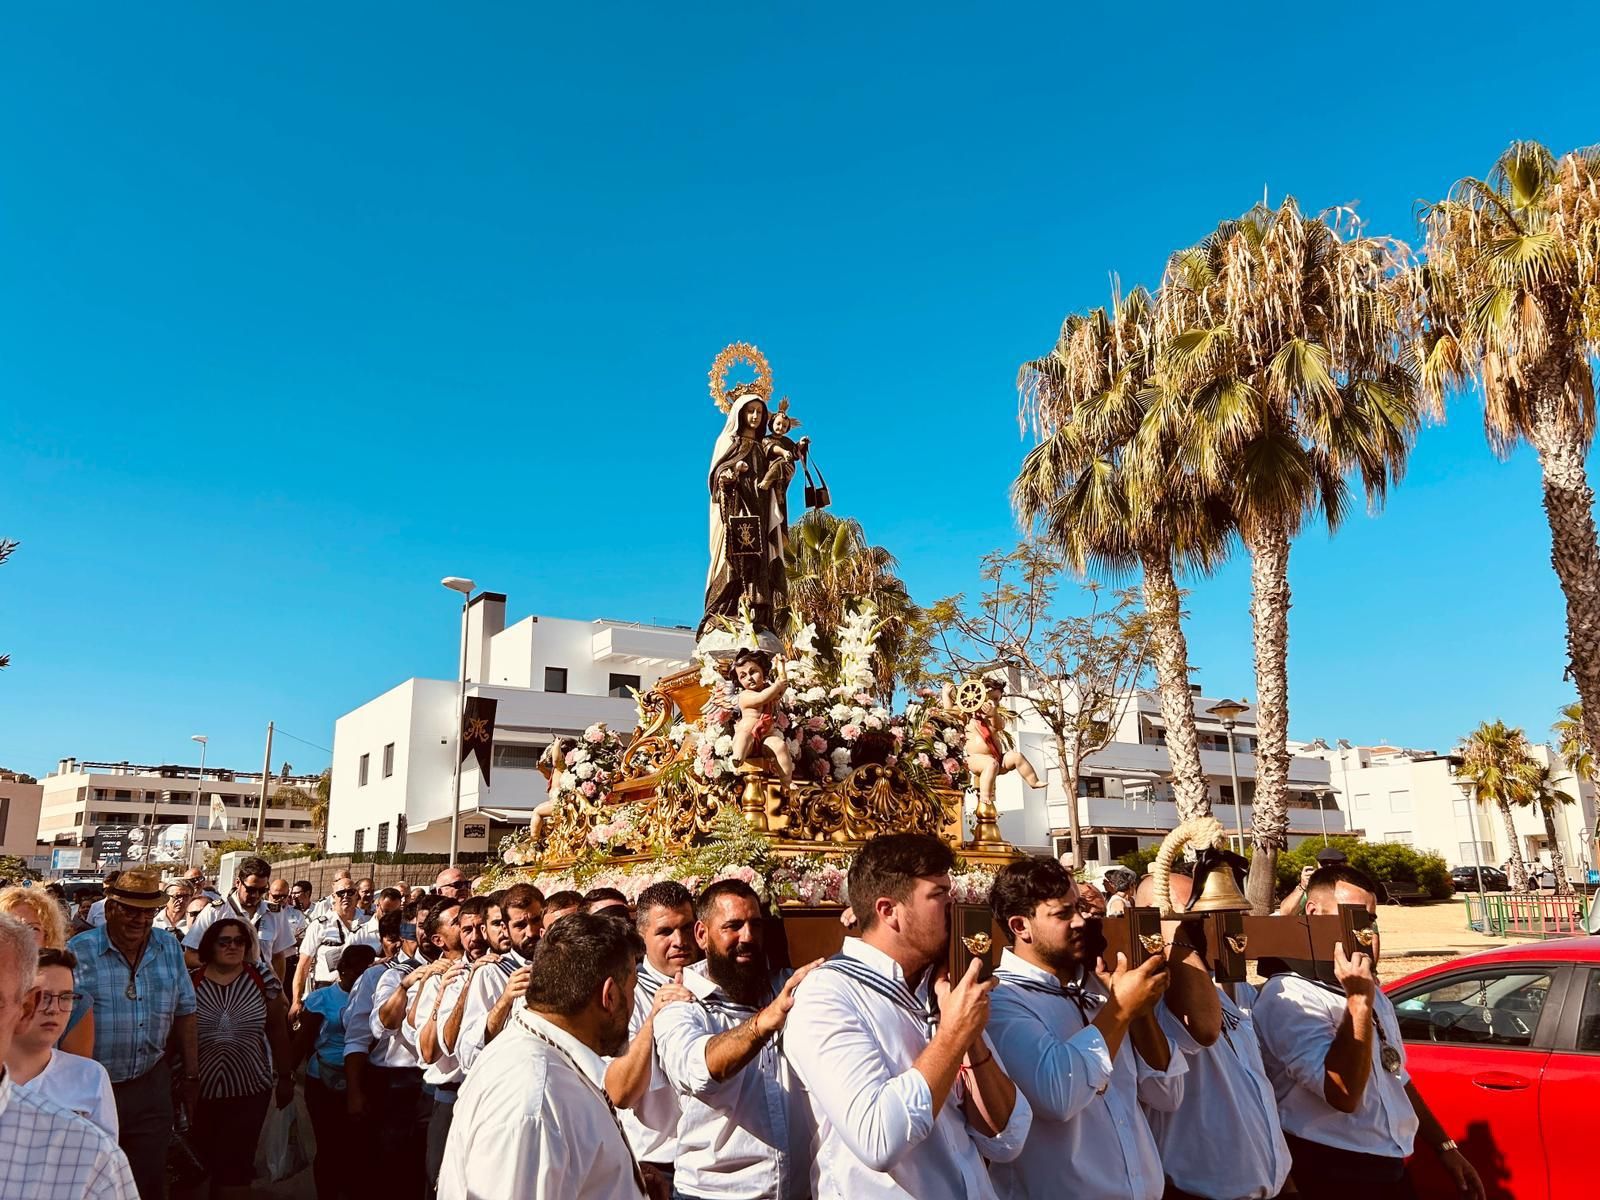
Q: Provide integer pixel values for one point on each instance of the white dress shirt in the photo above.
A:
(48, 1153)
(79, 1085)
(273, 929)
(1296, 1021)
(326, 939)
(746, 1137)
(533, 1123)
(97, 913)
(363, 1033)
(398, 1046)
(1090, 1138)
(853, 1048)
(652, 1123)
(483, 993)
(446, 1070)
(1224, 1142)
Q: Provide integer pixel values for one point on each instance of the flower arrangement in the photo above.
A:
(592, 767)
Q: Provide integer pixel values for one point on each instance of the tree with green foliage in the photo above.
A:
(1510, 299)
(1495, 757)
(7, 548)
(1384, 862)
(1077, 671)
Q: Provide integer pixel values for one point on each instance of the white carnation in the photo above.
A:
(578, 755)
(940, 750)
(813, 695)
(723, 746)
(841, 773)
(840, 756)
(840, 713)
(584, 770)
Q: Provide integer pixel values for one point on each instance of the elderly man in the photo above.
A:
(174, 918)
(535, 1123)
(324, 941)
(45, 1150)
(328, 903)
(453, 882)
(142, 997)
(1333, 1049)
(247, 902)
(880, 1072)
(745, 1128)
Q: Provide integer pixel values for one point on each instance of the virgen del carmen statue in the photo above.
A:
(767, 760)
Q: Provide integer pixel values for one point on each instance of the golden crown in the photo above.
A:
(739, 352)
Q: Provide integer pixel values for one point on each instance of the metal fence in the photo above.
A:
(1510, 915)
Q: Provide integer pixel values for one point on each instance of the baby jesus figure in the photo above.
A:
(986, 760)
(760, 723)
(552, 765)
(782, 452)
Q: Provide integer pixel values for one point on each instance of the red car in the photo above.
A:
(1505, 1047)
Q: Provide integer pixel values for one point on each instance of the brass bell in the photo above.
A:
(1219, 893)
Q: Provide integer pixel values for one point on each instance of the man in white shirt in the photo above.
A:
(46, 1152)
(645, 1099)
(247, 902)
(280, 899)
(1349, 1110)
(436, 998)
(495, 988)
(535, 1123)
(328, 903)
(905, 1106)
(324, 941)
(1224, 1141)
(745, 1129)
(174, 918)
(1082, 1044)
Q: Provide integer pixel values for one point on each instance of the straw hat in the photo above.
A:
(138, 887)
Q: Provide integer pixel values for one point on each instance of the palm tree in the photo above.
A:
(1511, 302)
(1285, 335)
(1539, 790)
(1495, 757)
(1572, 744)
(832, 567)
(1101, 488)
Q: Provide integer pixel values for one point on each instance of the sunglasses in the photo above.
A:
(251, 891)
(343, 892)
(229, 940)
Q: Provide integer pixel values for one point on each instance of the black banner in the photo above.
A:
(477, 732)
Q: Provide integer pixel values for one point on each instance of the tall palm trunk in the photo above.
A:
(1269, 616)
(1558, 860)
(1519, 869)
(1569, 508)
(1162, 603)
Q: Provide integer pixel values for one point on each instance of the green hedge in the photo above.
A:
(1385, 862)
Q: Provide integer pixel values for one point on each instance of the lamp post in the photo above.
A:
(465, 586)
(1466, 785)
(1227, 711)
(199, 790)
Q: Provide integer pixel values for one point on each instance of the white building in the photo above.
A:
(1412, 796)
(1125, 798)
(162, 803)
(392, 757)
(19, 816)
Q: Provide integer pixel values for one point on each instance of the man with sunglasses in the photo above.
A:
(325, 940)
(247, 902)
(280, 900)
(453, 882)
(174, 918)
(142, 997)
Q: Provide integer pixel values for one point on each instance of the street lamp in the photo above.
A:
(465, 586)
(1227, 711)
(1467, 785)
(199, 789)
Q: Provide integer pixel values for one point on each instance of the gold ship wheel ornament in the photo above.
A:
(739, 352)
(970, 695)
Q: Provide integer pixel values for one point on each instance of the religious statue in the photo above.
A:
(987, 758)
(761, 722)
(553, 766)
(752, 465)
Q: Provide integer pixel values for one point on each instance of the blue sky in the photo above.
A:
(303, 309)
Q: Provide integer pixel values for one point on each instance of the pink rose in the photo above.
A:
(594, 737)
(863, 698)
(924, 761)
(588, 788)
(951, 766)
(850, 732)
(816, 724)
(818, 743)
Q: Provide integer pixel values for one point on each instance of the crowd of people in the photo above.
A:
(565, 1047)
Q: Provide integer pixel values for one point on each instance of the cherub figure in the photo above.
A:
(782, 452)
(758, 723)
(552, 765)
(986, 761)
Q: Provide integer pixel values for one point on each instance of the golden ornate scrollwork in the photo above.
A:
(871, 800)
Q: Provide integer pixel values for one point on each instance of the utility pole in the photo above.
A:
(266, 777)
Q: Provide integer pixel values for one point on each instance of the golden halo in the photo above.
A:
(739, 352)
(970, 696)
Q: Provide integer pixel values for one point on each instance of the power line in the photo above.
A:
(296, 737)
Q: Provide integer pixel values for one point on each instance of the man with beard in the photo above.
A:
(535, 1123)
(645, 1099)
(1332, 1047)
(498, 985)
(1224, 1141)
(905, 1107)
(247, 902)
(1059, 1027)
(442, 1074)
(744, 1132)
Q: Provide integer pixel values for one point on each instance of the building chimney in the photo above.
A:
(486, 616)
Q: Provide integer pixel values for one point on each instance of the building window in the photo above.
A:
(1485, 852)
(1399, 801)
(388, 760)
(1363, 801)
(361, 840)
(361, 775)
(620, 684)
(517, 758)
(1402, 836)
(1117, 845)
(1092, 785)
(555, 679)
(383, 837)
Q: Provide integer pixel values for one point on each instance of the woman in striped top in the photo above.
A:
(243, 1029)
